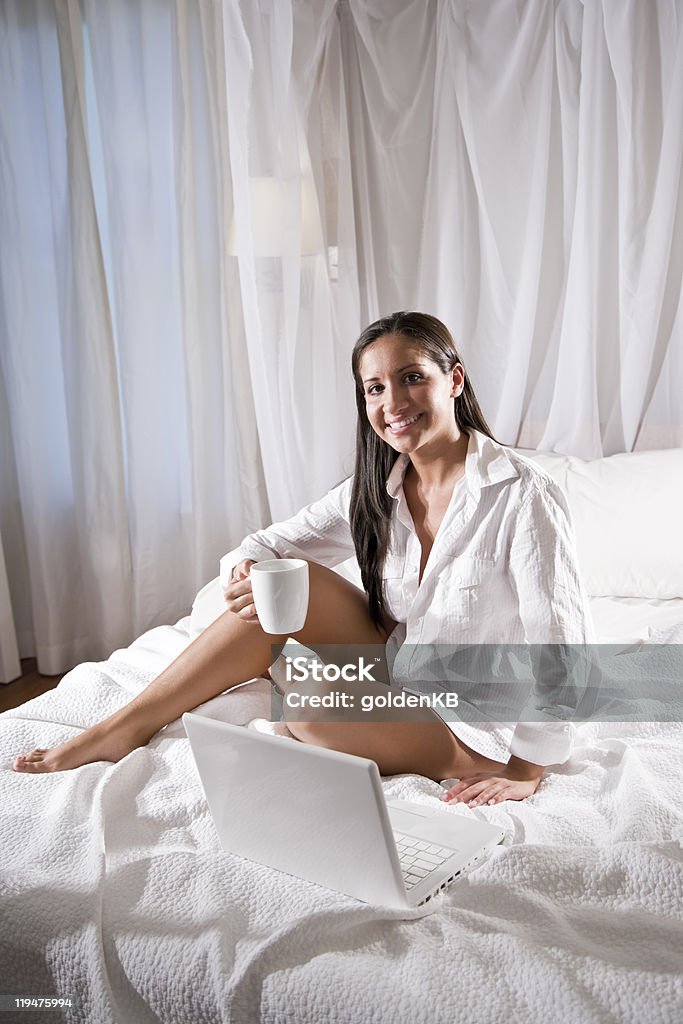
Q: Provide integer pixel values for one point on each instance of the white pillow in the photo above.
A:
(207, 606)
(627, 511)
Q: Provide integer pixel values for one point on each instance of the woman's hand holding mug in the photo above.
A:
(238, 596)
(275, 594)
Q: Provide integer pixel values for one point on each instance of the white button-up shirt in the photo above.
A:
(502, 570)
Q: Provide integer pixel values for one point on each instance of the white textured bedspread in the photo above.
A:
(114, 889)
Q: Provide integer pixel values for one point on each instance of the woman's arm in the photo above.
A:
(320, 532)
(555, 615)
(553, 609)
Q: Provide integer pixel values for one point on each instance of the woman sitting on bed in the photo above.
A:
(459, 540)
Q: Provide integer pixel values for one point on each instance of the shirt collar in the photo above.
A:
(396, 474)
(486, 463)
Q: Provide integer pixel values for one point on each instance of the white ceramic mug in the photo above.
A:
(280, 589)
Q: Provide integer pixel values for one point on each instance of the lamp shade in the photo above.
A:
(272, 216)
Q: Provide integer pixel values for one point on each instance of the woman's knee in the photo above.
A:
(337, 611)
(325, 582)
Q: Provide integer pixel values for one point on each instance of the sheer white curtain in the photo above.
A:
(64, 520)
(172, 377)
(203, 201)
(518, 172)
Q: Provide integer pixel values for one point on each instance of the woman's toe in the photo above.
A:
(33, 762)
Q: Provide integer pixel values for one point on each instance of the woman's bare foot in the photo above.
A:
(108, 741)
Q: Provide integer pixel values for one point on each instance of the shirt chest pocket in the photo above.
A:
(468, 573)
(394, 565)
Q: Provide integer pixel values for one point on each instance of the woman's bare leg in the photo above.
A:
(230, 651)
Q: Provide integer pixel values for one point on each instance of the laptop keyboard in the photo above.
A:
(418, 858)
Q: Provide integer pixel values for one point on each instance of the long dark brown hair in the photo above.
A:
(371, 504)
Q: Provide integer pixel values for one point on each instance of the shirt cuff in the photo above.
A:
(543, 742)
(252, 550)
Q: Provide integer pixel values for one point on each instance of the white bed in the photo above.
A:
(115, 890)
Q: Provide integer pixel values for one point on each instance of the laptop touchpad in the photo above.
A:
(406, 821)
(428, 824)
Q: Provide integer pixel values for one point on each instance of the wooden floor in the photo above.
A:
(29, 685)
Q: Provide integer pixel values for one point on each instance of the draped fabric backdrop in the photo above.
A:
(202, 202)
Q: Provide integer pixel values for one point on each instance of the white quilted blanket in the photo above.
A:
(114, 889)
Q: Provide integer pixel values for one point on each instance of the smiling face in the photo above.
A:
(408, 397)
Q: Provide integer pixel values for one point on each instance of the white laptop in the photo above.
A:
(322, 816)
